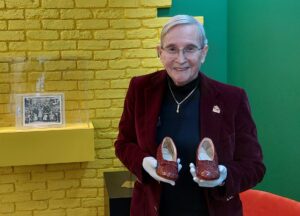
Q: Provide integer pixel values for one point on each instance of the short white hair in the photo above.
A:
(184, 20)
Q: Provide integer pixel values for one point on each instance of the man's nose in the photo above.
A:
(181, 56)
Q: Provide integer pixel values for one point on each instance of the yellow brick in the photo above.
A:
(76, 34)
(141, 13)
(122, 3)
(102, 123)
(56, 212)
(4, 88)
(93, 84)
(79, 95)
(90, 3)
(33, 168)
(85, 64)
(15, 197)
(44, 55)
(92, 202)
(95, 104)
(71, 105)
(142, 33)
(82, 192)
(30, 186)
(6, 188)
(115, 123)
(106, 153)
(28, 45)
(107, 54)
(11, 35)
(62, 184)
(150, 43)
(26, 66)
(60, 85)
(124, 44)
(141, 53)
(155, 23)
(46, 194)
(124, 63)
(58, 24)
(33, 76)
(74, 54)
(19, 213)
(110, 74)
(59, 65)
(156, 3)
(125, 23)
(138, 71)
(109, 13)
(75, 14)
(5, 170)
(57, 4)
(64, 203)
(11, 14)
(117, 103)
(82, 211)
(4, 98)
(43, 176)
(59, 45)
(117, 163)
(119, 83)
(92, 183)
(2, 4)
(110, 34)
(93, 45)
(82, 173)
(110, 93)
(109, 113)
(92, 24)
(17, 77)
(155, 62)
(23, 87)
(31, 205)
(63, 166)
(41, 14)
(7, 208)
(22, 4)
(23, 24)
(78, 75)
(42, 35)
(3, 25)
(14, 178)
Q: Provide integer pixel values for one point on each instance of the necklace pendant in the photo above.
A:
(177, 110)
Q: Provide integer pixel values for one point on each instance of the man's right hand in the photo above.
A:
(150, 165)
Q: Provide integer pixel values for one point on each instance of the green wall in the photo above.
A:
(215, 23)
(264, 58)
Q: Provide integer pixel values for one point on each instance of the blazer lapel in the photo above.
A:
(153, 99)
(211, 111)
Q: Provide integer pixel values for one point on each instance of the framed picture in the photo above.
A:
(40, 110)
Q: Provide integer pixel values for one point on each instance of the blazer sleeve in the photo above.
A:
(126, 146)
(246, 169)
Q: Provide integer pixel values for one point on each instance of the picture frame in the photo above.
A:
(40, 110)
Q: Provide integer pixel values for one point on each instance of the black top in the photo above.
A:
(186, 197)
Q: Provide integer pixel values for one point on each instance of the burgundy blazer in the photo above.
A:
(232, 130)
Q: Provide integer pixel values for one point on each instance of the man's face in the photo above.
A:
(181, 53)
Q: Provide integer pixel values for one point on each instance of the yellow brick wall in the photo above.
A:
(89, 49)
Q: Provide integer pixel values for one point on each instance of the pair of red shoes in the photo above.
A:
(206, 160)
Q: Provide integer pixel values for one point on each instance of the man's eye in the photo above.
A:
(190, 49)
(171, 49)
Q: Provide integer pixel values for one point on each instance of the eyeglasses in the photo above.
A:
(187, 51)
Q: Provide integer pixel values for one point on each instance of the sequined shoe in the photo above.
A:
(207, 161)
(166, 156)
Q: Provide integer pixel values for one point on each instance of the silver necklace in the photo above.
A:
(184, 99)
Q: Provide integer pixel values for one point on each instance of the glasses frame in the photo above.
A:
(185, 51)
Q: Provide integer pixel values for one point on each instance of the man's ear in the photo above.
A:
(158, 50)
(204, 53)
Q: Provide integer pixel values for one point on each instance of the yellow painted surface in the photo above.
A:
(73, 143)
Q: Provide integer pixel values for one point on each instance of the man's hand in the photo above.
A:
(150, 164)
(210, 183)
